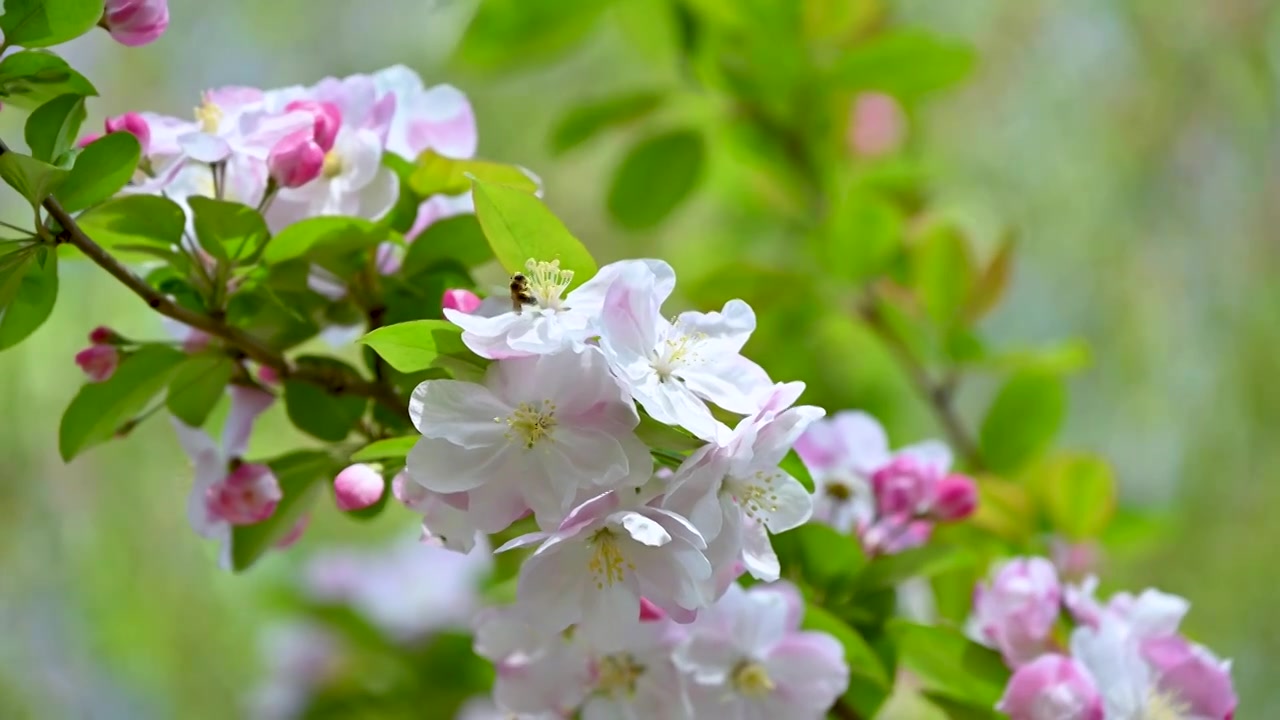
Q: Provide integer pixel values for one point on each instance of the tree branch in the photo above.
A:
(842, 711)
(253, 348)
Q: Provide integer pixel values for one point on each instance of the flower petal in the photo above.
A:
(466, 414)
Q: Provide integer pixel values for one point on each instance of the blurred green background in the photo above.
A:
(1132, 146)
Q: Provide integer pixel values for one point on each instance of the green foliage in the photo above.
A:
(950, 665)
(1079, 494)
(904, 63)
(198, 385)
(820, 559)
(30, 78)
(100, 171)
(414, 346)
(457, 239)
(888, 571)
(655, 177)
(28, 291)
(514, 33)
(519, 228)
(869, 681)
(33, 179)
(326, 236)
(588, 120)
(134, 220)
(390, 449)
(41, 23)
(1022, 420)
(436, 174)
(229, 231)
(943, 273)
(51, 130)
(327, 414)
(302, 475)
(864, 235)
(100, 410)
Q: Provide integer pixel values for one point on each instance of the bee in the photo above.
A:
(520, 294)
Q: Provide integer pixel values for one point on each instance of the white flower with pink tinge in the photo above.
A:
(445, 521)
(747, 659)
(593, 569)
(227, 491)
(674, 369)
(538, 434)
(1016, 611)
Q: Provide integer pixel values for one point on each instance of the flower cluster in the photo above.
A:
(891, 499)
(1123, 660)
(744, 657)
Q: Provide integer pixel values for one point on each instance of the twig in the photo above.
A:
(251, 347)
(842, 710)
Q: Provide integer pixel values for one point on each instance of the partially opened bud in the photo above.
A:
(877, 125)
(103, 335)
(1052, 686)
(296, 160)
(134, 124)
(328, 120)
(99, 362)
(247, 496)
(463, 301)
(267, 375)
(136, 22)
(357, 487)
(956, 497)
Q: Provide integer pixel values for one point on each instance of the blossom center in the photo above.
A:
(531, 422)
(1164, 706)
(333, 165)
(679, 349)
(209, 115)
(838, 490)
(617, 674)
(607, 565)
(547, 282)
(757, 495)
(751, 679)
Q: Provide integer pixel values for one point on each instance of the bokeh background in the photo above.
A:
(1132, 146)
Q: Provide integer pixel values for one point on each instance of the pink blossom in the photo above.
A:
(1016, 611)
(1189, 672)
(357, 487)
(136, 22)
(134, 124)
(268, 375)
(99, 362)
(328, 120)
(956, 497)
(296, 160)
(464, 301)
(905, 486)
(445, 520)
(87, 140)
(1051, 686)
(103, 335)
(248, 495)
(877, 125)
(1075, 560)
(388, 258)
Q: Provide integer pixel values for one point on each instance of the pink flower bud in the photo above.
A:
(876, 125)
(1016, 612)
(904, 487)
(328, 119)
(103, 335)
(295, 532)
(136, 22)
(1075, 560)
(98, 362)
(1192, 674)
(463, 301)
(268, 376)
(1052, 686)
(296, 160)
(248, 495)
(87, 140)
(955, 498)
(895, 534)
(357, 487)
(134, 124)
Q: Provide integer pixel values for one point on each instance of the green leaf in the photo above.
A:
(655, 177)
(101, 170)
(795, 467)
(519, 228)
(888, 571)
(861, 658)
(436, 174)
(389, 449)
(33, 179)
(819, 557)
(134, 220)
(589, 119)
(864, 236)
(15, 260)
(943, 273)
(662, 436)
(335, 235)
(51, 130)
(99, 409)
(329, 416)
(30, 78)
(33, 301)
(404, 213)
(950, 665)
(413, 346)
(906, 64)
(198, 385)
(227, 230)
(1022, 420)
(459, 239)
(1080, 495)
(517, 33)
(990, 286)
(301, 475)
(40, 23)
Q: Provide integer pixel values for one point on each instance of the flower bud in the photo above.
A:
(1016, 611)
(248, 495)
(357, 487)
(134, 124)
(328, 119)
(103, 335)
(87, 140)
(903, 487)
(98, 362)
(267, 375)
(296, 160)
(388, 258)
(876, 125)
(955, 498)
(463, 301)
(1052, 686)
(136, 22)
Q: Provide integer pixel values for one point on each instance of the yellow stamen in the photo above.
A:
(547, 282)
(1164, 706)
(209, 115)
(333, 166)
(756, 495)
(531, 423)
(751, 679)
(617, 674)
(679, 349)
(607, 565)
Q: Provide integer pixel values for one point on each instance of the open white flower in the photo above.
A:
(674, 368)
(537, 434)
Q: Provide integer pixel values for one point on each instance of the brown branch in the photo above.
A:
(938, 395)
(253, 348)
(843, 711)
